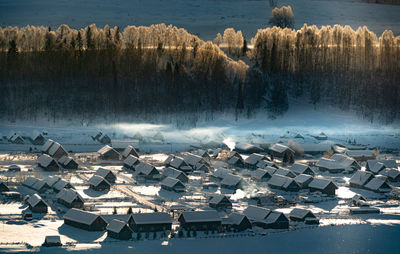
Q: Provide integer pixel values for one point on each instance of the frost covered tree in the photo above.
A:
(218, 39)
(282, 17)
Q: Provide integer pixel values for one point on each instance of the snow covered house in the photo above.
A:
(325, 164)
(14, 168)
(392, 174)
(232, 154)
(47, 145)
(52, 241)
(61, 184)
(281, 151)
(232, 182)
(361, 155)
(195, 161)
(174, 173)
(29, 182)
(57, 151)
(172, 184)
(322, 185)
(16, 139)
(247, 148)
(360, 178)
(299, 168)
(147, 171)
(202, 153)
(255, 213)
(285, 172)
(37, 204)
(219, 174)
(378, 185)
(68, 162)
(129, 150)
(236, 222)
(40, 186)
(130, 162)
(298, 214)
(98, 183)
(48, 163)
(70, 198)
(38, 139)
(106, 174)
(3, 187)
(275, 220)
(260, 175)
(108, 153)
(303, 180)
(283, 183)
(346, 161)
(265, 163)
(179, 163)
(119, 230)
(220, 202)
(151, 222)
(84, 220)
(104, 138)
(253, 159)
(375, 166)
(200, 220)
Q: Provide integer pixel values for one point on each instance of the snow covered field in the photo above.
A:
(202, 17)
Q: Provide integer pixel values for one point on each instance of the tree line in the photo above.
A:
(159, 72)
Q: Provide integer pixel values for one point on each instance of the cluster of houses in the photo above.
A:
(121, 226)
(377, 176)
(36, 139)
(55, 157)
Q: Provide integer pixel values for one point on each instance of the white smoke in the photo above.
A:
(229, 142)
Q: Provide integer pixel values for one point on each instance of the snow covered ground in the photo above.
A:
(203, 17)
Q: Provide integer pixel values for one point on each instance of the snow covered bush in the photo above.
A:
(282, 17)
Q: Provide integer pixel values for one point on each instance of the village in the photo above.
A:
(126, 192)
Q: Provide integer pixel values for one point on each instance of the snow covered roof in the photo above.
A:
(178, 162)
(171, 182)
(80, 216)
(55, 148)
(235, 218)
(377, 167)
(320, 184)
(360, 178)
(216, 199)
(68, 195)
(61, 184)
(285, 172)
(302, 178)
(278, 180)
(131, 160)
(201, 153)
(254, 158)
(299, 213)
(30, 181)
(34, 200)
(96, 180)
(106, 149)
(129, 150)
(280, 148)
(116, 226)
(300, 168)
(52, 239)
(201, 216)
(233, 160)
(231, 180)
(234, 154)
(146, 169)
(220, 173)
(260, 174)
(39, 184)
(192, 159)
(256, 213)
(387, 163)
(151, 218)
(172, 172)
(344, 160)
(265, 163)
(377, 184)
(103, 172)
(47, 145)
(247, 148)
(392, 173)
(45, 160)
(275, 216)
